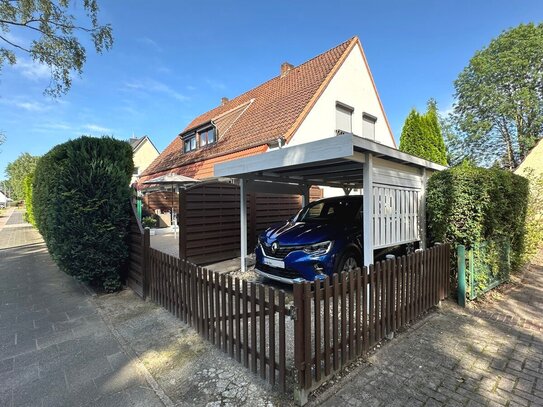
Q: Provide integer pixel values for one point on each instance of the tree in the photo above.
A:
(17, 171)
(54, 42)
(422, 137)
(499, 98)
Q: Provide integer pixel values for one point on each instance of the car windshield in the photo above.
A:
(343, 210)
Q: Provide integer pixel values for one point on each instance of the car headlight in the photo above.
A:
(318, 249)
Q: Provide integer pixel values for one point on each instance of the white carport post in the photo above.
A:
(243, 223)
(367, 233)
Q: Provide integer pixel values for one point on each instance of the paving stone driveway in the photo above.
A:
(55, 349)
(480, 357)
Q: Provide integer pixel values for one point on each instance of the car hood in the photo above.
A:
(301, 233)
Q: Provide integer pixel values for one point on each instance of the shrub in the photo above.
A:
(470, 205)
(149, 222)
(81, 207)
(27, 189)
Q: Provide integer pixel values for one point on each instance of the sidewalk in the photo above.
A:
(455, 357)
(55, 349)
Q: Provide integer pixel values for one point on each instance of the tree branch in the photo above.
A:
(14, 45)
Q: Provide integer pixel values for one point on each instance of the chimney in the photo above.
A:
(224, 100)
(285, 68)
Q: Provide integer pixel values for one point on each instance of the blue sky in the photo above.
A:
(172, 62)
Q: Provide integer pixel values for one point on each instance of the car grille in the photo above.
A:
(286, 273)
(281, 251)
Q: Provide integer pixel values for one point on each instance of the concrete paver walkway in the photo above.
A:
(55, 349)
(480, 357)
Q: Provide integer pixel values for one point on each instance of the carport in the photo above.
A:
(396, 182)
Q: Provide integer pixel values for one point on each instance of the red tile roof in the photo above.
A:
(263, 114)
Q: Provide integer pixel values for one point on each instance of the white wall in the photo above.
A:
(350, 85)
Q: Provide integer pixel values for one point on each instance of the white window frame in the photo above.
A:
(342, 108)
(368, 119)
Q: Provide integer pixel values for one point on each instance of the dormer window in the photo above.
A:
(189, 143)
(207, 136)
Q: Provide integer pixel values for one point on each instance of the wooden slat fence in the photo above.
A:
(336, 319)
(209, 219)
(244, 319)
(339, 319)
(161, 200)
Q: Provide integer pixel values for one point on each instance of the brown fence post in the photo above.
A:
(300, 389)
(182, 222)
(146, 264)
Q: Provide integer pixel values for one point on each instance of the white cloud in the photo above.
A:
(150, 42)
(32, 70)
(97, 128)
(215, 84)
(25, 104)
(153, 86)
(32, 106)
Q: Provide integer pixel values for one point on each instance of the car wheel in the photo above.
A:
(348, 262)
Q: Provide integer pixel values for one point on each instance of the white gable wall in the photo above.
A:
(351, 85)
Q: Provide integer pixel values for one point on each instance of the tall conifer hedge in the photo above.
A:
(81, 207)
(421, 135)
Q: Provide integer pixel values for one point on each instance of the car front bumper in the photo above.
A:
(284, 280)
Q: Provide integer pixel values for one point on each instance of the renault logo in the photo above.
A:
(274, 246)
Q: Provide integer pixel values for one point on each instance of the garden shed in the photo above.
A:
(394, 215)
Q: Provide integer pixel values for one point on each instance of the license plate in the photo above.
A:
(273, 262)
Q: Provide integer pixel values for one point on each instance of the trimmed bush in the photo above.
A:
(470, 206)
(81, 207)
(27, 189)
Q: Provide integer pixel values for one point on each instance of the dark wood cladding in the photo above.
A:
(338, 319)
(209, 221)
(161, 200)
(234, 315)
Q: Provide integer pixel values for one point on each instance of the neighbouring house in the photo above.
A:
(533, 163)
(145, 153)
(332, 93)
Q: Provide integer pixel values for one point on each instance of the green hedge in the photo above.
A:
(470, 205)
(81, 206)
(29, 206)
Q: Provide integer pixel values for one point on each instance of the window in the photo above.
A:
(368, 126)
(344, 115)
(207, 136)
(136, 171)
(341, 210)
(189, 143)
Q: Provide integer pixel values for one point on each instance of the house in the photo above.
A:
(533, 163)
(4, 200)
(332, 93)
(145, 153)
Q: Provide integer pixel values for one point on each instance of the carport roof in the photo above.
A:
(334, 161)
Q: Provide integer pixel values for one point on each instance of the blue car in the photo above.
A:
(324, 238)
